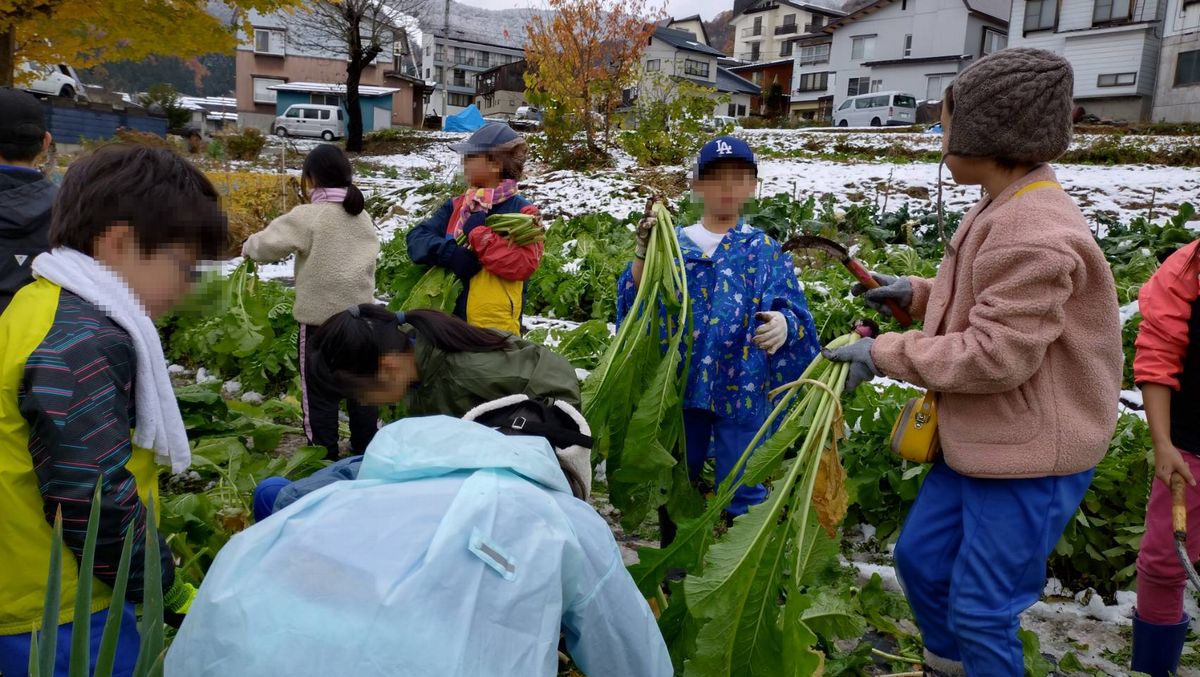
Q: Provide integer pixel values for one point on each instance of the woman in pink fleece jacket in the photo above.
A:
(1022, 343)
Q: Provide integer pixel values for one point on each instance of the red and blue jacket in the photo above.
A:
(1168, 342)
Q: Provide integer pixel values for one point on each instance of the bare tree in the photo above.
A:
(360, 29)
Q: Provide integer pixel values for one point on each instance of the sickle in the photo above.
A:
(842, 254)
(1179, 523)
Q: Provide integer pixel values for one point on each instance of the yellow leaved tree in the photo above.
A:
(87, 32)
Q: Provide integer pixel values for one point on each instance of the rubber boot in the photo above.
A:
(1156, 648)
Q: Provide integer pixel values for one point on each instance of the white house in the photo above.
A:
(692, 24)
(913, 46)
(764, 30)
(681, 54)
(1114, 46)
(1177, 97)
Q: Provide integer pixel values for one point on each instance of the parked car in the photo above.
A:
(310, 119)
(529, 113)
(720, 121)
(877, 110)
(59, 80)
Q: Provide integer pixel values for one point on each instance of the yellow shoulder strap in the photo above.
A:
(1036, 185)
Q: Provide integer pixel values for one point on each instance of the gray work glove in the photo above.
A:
(644, 228)
(858, 355)
(891, 288)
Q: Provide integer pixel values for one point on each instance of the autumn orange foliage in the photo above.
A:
(88, 32)
(586, 53)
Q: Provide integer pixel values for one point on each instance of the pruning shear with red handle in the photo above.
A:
(842, 254)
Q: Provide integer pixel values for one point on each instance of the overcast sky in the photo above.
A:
(676, 8)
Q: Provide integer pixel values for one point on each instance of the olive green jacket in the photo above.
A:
(454, 383)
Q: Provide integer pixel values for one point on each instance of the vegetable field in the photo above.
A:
(803, 583)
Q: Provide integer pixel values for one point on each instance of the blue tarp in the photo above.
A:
(467, 121)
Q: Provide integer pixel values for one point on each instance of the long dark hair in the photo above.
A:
(345, 351)
(327, 167)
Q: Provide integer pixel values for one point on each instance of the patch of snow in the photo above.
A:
(582, 374)
(573, 266)
(232, 388)
(203, 377)
(252, 397)
(177, 369)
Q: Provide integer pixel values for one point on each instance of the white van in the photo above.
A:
(877, 110)
(310, 119)
(58, 80)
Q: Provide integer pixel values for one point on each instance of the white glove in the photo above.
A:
(772, 331)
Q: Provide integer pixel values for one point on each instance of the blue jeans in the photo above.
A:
(709, 436)
(14, 649)
(972, 557)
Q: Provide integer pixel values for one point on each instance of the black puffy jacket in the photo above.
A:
(25, 201)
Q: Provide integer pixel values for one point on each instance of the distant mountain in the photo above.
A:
(497, 26)
(720, 31)
(208, 75)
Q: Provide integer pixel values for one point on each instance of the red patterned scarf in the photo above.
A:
(480, 200)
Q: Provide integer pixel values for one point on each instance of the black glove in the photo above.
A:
(474, 221)
(461, 261)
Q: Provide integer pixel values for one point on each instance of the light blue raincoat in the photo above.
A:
(457, 551)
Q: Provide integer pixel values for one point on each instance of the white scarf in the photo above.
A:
(159, 423)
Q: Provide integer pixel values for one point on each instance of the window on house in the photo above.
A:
(786, 49)
(789, 20)
(325, 99)
(858, 86)
(653, 65)
(264, 95)
(1187, 69)
(699, 69)
(907, 46)
(460, 78)
(813, 82)
(485, 60)
(903, 5)
(732, 110)
(441, 74)
(862, 47)
(754, 52)
(1116, 80)
(741, 110)
(428, 73)
(936, 86)
(876, 85)
(818, 22)
(814, 55)
(460, 100)
(1111, 11)
(758, 25)
(1040, 15)
(993, 40)
(757, 78)
(268, 42)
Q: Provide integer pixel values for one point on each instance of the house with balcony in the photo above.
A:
(766, 29)
(913, 46)
(1177, 95)
(280, 49)
(453, 62)
(681, 54)
(811, 93)
(1113, 45)
(500, 91)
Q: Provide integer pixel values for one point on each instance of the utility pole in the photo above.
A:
(445, 58)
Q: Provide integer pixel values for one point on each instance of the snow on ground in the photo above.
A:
(1122, 191)
(802, 140)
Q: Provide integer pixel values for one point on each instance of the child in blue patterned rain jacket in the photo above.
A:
(753, 330)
